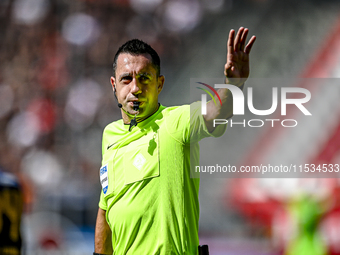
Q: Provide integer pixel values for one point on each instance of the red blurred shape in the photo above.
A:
(45, 110)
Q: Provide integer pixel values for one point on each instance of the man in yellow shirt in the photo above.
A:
(149, 203)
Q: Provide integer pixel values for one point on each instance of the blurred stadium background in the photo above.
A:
(55, 100)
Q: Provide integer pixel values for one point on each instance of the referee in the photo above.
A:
(148, 203)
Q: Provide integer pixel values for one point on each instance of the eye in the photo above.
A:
(126, 79)
(144, 78)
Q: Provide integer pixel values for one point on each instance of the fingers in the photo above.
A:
(250, 44)
(231, 41)
(243, 39)
(238, 43)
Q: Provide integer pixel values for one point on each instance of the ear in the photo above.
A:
(161, 79)
(113, 80)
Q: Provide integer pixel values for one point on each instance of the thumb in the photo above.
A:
(228, 67)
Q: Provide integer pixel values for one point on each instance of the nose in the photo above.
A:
(135, 87)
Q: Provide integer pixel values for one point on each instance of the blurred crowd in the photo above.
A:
(55, 96)
(55, 100)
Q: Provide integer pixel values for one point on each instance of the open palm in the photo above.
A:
(236, 68)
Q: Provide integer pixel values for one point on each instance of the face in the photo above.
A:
(136, 80)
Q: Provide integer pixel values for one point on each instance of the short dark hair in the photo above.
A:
(138, 47)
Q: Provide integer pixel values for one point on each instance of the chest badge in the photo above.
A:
(139, 161)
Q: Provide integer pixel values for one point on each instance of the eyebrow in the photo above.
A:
(144, 74)
(139, 74)
(124, 75)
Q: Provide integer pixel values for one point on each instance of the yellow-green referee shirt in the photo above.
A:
(150, 200)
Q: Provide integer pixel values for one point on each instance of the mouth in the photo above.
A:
(132, 102)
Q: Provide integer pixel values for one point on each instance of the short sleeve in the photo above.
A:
(102, 202)
(186, 124)
(198, 129)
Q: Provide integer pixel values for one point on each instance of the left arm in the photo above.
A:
(236, 71)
